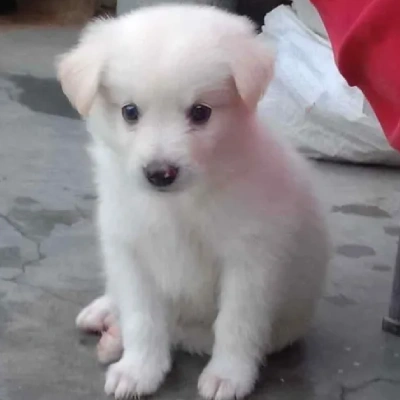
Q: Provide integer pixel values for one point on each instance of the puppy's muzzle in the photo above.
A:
(161, 174)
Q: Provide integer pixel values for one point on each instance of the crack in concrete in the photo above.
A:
(50, 293)
(39, 258)
(40, 255)
(16, 227)
(13, 279)
(42, 289)
(345, 390)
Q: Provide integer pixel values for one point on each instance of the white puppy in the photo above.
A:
(211, 235)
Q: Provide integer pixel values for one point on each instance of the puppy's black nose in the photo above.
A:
(161, 174)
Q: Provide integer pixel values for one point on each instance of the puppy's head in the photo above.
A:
(166, 87)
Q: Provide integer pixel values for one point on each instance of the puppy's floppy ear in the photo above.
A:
(79, 69)
(252, 66)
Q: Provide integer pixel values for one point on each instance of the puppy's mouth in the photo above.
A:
(172, 188)
(179, 186)
(169, 189)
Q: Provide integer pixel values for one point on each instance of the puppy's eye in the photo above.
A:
(130, 112)
(199, 114)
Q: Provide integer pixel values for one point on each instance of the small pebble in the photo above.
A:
(282, 380)
(340, 371)
(347, 348)
(356, 364)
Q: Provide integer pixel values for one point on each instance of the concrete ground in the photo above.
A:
(49, 264)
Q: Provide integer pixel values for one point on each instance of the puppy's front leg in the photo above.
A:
(146, 357)
(242, 329)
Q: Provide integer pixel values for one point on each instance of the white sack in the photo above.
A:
(310, 102)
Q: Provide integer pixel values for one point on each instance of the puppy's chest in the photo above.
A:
(180, 257)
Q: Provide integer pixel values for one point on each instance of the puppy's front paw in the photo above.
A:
(96, 316)
(227, 380)
(129, 378)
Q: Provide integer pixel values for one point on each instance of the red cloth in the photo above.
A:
(365, 36)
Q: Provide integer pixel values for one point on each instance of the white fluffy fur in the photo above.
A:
(231, 261)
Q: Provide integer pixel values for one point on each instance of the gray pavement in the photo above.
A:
(49, 264)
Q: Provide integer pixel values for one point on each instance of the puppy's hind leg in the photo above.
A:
(97, 316)
(110, 347)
